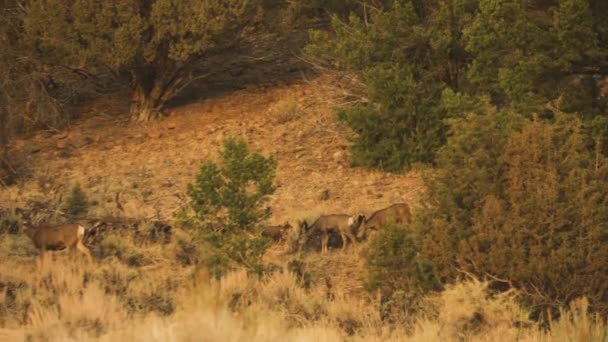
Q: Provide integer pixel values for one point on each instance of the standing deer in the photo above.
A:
(396, 213)
(56, 237)
(344, 224)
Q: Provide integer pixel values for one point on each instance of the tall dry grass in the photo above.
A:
(117, 300)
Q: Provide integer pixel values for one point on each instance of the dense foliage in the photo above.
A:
(521, 54)
(519, 200)
(228, 203)
(154, 45)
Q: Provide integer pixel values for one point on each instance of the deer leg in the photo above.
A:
(41, 257)
(352, 238)
(324, 240)
(73, 252)
(343, 240)
(85, 250)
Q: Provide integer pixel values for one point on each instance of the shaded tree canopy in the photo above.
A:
(153, 44)
(414, 57)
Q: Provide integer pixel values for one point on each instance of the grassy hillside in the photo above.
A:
(146, 290)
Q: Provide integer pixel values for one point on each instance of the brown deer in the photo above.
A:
(277, 233)
(56, 237)
(396, 213)
(343, 224)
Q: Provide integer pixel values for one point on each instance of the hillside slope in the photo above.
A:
(150, 165)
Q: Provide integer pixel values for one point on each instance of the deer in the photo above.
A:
(396, 213)
(56, 237)
(276, 233)
(344, 224)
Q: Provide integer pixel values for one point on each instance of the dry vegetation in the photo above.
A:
(115, 303)
(148, 291)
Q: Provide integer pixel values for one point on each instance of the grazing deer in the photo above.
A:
(344, 224)
(396, 213)
(277, 233)
(56, 237)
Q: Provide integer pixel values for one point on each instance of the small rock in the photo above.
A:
(338, 155)
(34, 148)
(171, 125)
(324, 195)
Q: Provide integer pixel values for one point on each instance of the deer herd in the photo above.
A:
(350, 228)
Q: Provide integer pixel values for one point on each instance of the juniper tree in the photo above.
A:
(153, 45)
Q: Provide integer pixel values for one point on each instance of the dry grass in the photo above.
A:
(66, 302)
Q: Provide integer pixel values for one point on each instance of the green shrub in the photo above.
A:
(228, 206)
(398, 60)
(394, 263)
(397, 119)
(77, 203)
(524, 201)
(122, 248)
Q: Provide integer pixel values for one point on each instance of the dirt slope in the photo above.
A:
(150, 165)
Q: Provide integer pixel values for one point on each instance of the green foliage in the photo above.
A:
(394, 263)
(406, 58)
(229, 202)
(154, 44)
(523, 200)
(398, 120)
(77, 203)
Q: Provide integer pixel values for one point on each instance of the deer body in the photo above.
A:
(276, 233)
(326, 223)
(58, 237)
(396, 213)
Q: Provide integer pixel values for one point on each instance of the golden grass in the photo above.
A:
(76, 302)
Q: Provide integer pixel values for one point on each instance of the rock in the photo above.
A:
(34, 148)
(171, 125)
(324, 195)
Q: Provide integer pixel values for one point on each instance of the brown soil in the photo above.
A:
(150, 165)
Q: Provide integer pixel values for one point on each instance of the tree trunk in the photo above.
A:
(145, 105)
(155, 86)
